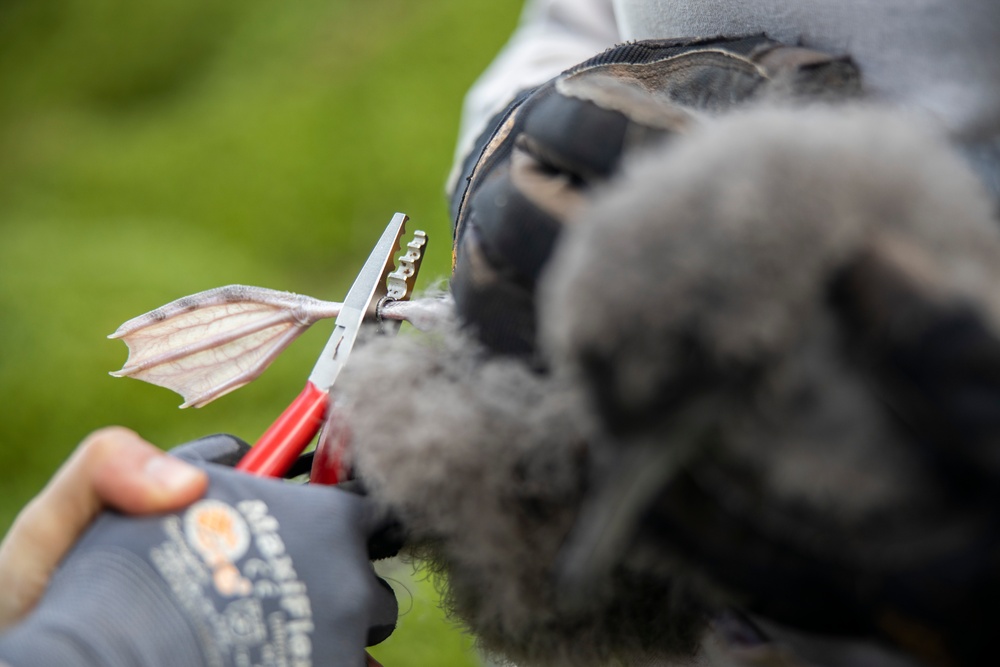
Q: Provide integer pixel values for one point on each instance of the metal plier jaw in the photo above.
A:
(400, 282)
(378, 282)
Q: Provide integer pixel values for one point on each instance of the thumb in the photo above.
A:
(112, 468)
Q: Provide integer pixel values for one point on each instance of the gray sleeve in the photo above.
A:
(551, 36)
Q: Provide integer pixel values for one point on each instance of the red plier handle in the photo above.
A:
(283, 441)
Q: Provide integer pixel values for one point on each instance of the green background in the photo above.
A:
(153, 149)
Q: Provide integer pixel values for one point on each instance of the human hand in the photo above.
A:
(113, 468)
(238, 576)
(535, 168)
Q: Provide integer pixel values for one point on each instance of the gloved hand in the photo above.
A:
(535, 166)
(260, 571)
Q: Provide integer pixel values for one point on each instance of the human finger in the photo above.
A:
(113, 467)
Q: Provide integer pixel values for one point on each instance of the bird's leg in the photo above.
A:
(210, 343)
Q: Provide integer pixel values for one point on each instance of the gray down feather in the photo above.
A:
(725, 242)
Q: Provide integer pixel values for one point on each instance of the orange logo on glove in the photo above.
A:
(220, 535)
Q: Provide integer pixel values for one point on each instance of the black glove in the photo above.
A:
(535, 166)
(258, 572)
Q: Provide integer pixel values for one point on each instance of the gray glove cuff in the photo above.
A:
(85, 622)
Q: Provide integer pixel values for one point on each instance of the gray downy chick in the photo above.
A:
(722, 422)
(786, 325)
(486, 463)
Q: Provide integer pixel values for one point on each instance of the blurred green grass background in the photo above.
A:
(153, 149)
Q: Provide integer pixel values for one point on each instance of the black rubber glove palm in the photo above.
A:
(258, 572)
(534, 168)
